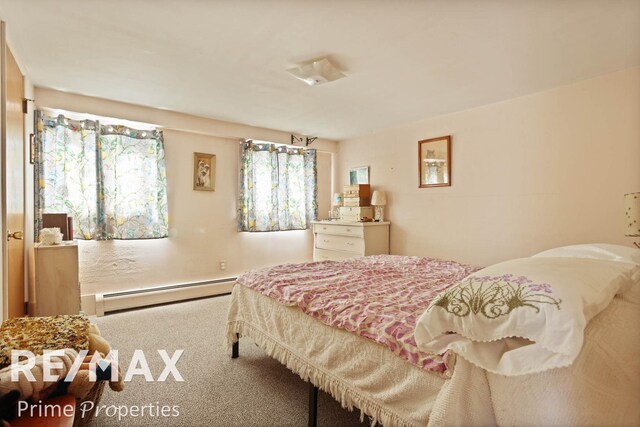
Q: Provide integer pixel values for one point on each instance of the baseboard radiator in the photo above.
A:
(124, 300)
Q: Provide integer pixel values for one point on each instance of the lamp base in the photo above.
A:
(379, 214)
(334, 213)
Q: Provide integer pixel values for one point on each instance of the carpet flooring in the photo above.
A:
(253, 390)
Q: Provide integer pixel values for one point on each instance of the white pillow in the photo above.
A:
(525, 315)
(603, 251)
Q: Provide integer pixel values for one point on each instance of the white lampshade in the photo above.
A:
(632, 214)
(379, 198)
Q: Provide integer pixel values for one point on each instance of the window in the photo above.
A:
(278, 187)
(110, 179)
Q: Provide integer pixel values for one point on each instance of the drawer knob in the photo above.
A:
(325, 240)
(348, 229)
(350, 243)
(324, 228)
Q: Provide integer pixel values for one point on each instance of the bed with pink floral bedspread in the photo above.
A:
(377, 297)
(347, 328)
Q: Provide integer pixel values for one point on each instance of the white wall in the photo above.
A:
(202, 224)
(528, 174)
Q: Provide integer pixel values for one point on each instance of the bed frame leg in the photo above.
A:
(313, 405)
(235, 349)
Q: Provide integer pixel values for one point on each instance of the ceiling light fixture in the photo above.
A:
(316, 72)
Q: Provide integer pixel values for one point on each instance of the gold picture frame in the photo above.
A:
(204, 172)
(434, 162)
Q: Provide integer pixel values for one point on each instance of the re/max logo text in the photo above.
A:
(137, 367)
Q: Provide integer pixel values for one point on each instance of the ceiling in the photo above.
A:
(404, 60)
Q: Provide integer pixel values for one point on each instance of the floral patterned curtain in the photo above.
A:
(110, 179)
(278, 187)
(65, 172)
(132, 184)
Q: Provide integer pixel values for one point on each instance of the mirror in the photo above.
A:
(359, 175)
(434, 157)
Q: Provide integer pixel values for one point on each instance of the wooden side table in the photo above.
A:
(55, 287)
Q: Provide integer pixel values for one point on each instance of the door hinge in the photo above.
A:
(25, 105)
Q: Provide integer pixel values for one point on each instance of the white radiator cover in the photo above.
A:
(99, 304)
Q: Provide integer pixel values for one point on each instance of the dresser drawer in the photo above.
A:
(345, 230)
(326, 255)
(340, 243)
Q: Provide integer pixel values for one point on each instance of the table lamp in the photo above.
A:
(379, 200)
(632, 215)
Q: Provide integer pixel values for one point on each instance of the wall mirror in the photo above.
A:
(434, 162)
(359, 175)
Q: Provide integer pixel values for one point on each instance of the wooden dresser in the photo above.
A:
(336, 240)
(55, 285)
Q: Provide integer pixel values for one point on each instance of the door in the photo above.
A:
(13, 185)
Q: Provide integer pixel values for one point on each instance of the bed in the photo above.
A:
(402, 385)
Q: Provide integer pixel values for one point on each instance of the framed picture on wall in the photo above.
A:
(204, 172)
(359, 175)
(434, 162)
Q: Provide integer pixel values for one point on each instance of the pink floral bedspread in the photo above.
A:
(377, 297)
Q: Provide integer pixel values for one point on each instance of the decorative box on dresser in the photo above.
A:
(336, 240)
(55, 285)
(357, 203)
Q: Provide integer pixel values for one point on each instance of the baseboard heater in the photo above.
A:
(124, 300)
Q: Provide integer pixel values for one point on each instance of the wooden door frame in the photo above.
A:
(7, 58)
(4, 301)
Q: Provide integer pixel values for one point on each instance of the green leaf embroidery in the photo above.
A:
(493, 297)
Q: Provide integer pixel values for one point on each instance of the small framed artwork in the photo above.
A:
(204, 172)
(434, 162)
(32, 148)
(359, 175)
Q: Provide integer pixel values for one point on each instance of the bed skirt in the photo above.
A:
(357, 372)
(601, 387)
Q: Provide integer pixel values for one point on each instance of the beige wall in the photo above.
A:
(202, 224)
(28, 182)
(530, 173)
(325, 165)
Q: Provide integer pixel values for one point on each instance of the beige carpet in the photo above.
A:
(254, 390)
